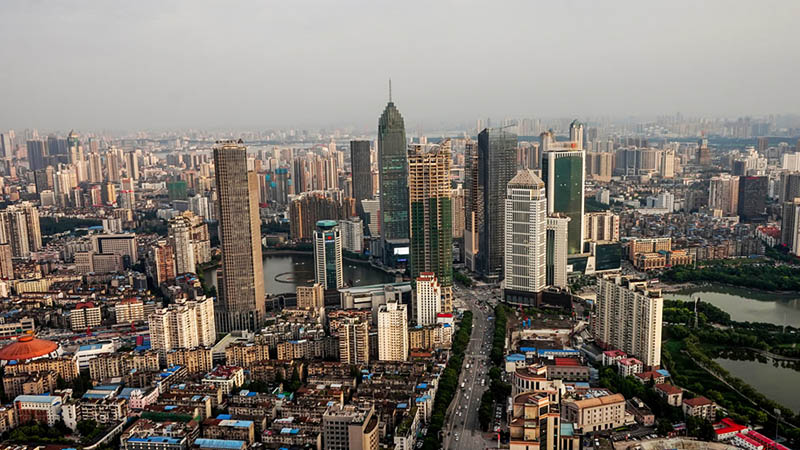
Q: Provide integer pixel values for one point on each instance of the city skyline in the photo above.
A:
(152, 67)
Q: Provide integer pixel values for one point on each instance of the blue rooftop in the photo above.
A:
(156, 439)
(402, 405)
(219, 443)
(567, 429)
(663, 372)
(515, 357)
(224, 417)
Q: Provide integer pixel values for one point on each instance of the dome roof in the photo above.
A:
(27, 347)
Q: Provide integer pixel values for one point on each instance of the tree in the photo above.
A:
(86, 427)
(663, 428)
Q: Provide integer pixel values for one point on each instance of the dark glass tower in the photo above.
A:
(563, 175)
(393, 179)
(362, 174)
(497, 165)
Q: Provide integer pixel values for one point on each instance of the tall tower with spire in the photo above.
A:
(393, 182)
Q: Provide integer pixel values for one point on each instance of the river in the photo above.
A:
(776, 380)
(283, 273)
(746, 305)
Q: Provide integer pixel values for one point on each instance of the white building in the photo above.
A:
(352, 234)
(525, 238)
(428, 299)
(45, 409)
(328, 255)
(392, 332)
(628, 317)
(186, 325)
(556, 258)
(180, 236)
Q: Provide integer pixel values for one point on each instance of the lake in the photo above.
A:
(775, 380)
(746, 305)
(283, 273)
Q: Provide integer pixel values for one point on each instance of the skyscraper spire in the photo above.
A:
(390, 90)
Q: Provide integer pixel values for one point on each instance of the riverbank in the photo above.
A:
(691, 287)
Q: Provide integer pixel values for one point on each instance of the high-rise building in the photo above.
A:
(186, 324)
(790, 225)
(428, 299)
(473, 205)
(310, 207)
(564, 177)
(525, 239)
(601, 226)
(723, 194)
(556, 259)
(628, 317)
(180, 236)
(19, 227)
(600, 166)
(37, 154)
(752, 197)
(497, 151)
(372, 212)
(393, 182)
(350, 427)
(362, 173)
(311, 297)
(457, 196)
(242, 304)
(392, 332)
(703, 153)
(790, 186)
(353, 341)
(328, 255)
(6, 264)
(431, 215)
(352, 234)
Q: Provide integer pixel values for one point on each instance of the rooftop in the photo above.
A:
(27, 347)
(697, 401)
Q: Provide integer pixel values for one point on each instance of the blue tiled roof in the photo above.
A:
(219, 443)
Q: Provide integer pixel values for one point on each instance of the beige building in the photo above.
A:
(392, 332)
(556, 258)
(353, 341)
(113, 365)
(350, 427)
(195, 360)
(187, 324)
(85, 315)
(242, 303)
(628, 317)
(648, 245)
(700, 407)
(311, 297)
(129, 310)
(723, 194)
(245, 355)
(594, 414)
(65, 367)
(601, 226)
(535, 423)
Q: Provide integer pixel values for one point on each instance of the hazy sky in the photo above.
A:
(160, 64)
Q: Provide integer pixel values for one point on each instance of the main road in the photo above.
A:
(462, 429)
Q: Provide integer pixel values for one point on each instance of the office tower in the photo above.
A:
(703, 153)
(556, 259)
(473, 205)
(95, 174)
(350, 427)
(790, 225)
(186, 325)
(576, 134)
(372, 211)
(310, 207)
(6, 265)
(6, 148)
(311, 297)
(201, 239)
(353, 341)
(564, 178)
(667, 167)
(790, 186)
(37, 154)
(242, 280)
(180, 237)
(57, 149)
(762, 143)
(352, 234)
(497, 149)
(723, 194)
(601, 227)
(392, 332)
(752, 197)
(457, 196)
(525, 238)
(161, 262)
(362, 173)
(114, 162)
(431, 209)
(428, 299)
(109, 194)
(328, 255)
(628, 318)
(198, 204)
(393, 182)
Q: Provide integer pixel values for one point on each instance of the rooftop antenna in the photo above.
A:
(390, 90)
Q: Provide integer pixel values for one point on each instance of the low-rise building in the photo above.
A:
(603, 412)
(223, 427)
(227, 378)
(671, 393)
(699, 407)
(44, 409)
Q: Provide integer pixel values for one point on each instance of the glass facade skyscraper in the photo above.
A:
(497, 153)
(563, 175)
(393, 179)
(328, 255)
(362, 174)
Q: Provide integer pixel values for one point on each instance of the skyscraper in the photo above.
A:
(328, 255)
(354, 341)
(564, 176)
(393, 181)
(242, 280)
(180, 236)
(723, 194)
(525, 238)
(556, 259)
(628, 317)
(392, 332)
(752, 197)
(431, 212)
(790, 225)
(473, 205)
(37, 154)
(428, 299)
(362, 174)
(497, 153)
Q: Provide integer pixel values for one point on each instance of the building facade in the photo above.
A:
(328, 269)
(525, 238)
